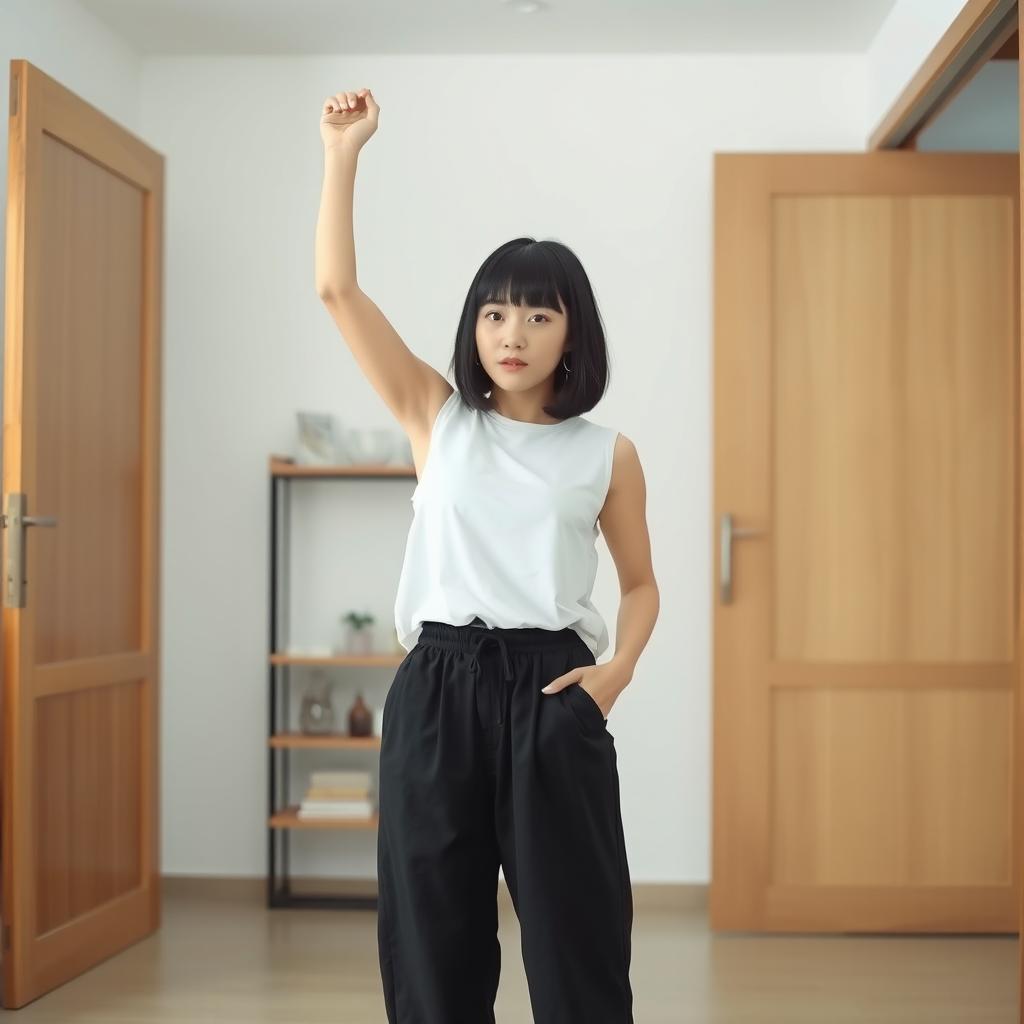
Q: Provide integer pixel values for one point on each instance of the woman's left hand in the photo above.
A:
(604, 683)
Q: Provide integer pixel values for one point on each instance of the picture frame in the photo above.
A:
(317, 443)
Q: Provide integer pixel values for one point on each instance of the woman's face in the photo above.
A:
(533, 334)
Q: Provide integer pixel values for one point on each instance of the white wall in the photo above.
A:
(610, 154)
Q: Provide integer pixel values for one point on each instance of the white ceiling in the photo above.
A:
(479, 27)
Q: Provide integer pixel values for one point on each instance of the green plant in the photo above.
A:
(358, 619)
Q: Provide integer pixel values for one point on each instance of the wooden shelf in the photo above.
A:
(364, 660)
(283, 465)
(288, 817)
(283, 818)
(298, 740)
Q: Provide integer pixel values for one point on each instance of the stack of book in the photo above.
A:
(337, 794)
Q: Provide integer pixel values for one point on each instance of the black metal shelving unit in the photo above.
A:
(283, 819)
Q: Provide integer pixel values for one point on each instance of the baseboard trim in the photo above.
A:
(647, 895)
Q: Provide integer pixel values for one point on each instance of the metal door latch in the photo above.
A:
(728, 533)
(15, 519)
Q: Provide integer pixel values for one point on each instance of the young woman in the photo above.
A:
(495, 749)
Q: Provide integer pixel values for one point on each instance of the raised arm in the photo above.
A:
(409, 386)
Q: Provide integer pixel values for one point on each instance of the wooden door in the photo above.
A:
(865, 601)
(81, 454)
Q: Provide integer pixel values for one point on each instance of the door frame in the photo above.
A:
(984, 30)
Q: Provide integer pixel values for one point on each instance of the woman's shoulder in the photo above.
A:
(619, 450)
(600, 430)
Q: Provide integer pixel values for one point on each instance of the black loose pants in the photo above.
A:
(479, 768)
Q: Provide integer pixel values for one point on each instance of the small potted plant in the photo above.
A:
(359, 632)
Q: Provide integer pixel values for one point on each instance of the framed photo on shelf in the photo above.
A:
(317, 441)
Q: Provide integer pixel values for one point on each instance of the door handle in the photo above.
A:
(14, 575)
(728, 534)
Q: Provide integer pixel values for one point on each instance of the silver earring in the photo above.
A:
(564, 367)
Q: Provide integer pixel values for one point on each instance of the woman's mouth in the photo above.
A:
(512, 365)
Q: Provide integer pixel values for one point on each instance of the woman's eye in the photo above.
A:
(496, 313)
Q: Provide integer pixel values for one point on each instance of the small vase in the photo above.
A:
(360, 718)
(359, 639)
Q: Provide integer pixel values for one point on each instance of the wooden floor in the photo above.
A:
(226, 959)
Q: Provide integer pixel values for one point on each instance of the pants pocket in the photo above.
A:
(587, 711)
(389, 697)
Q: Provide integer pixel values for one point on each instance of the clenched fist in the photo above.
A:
(349, 119)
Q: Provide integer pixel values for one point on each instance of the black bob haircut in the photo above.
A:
(525, 272)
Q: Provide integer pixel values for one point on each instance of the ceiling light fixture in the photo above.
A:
(525, 6)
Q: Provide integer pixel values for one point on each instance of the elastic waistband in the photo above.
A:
(523, 638)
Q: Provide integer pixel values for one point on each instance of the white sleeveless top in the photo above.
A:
(505, 524)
